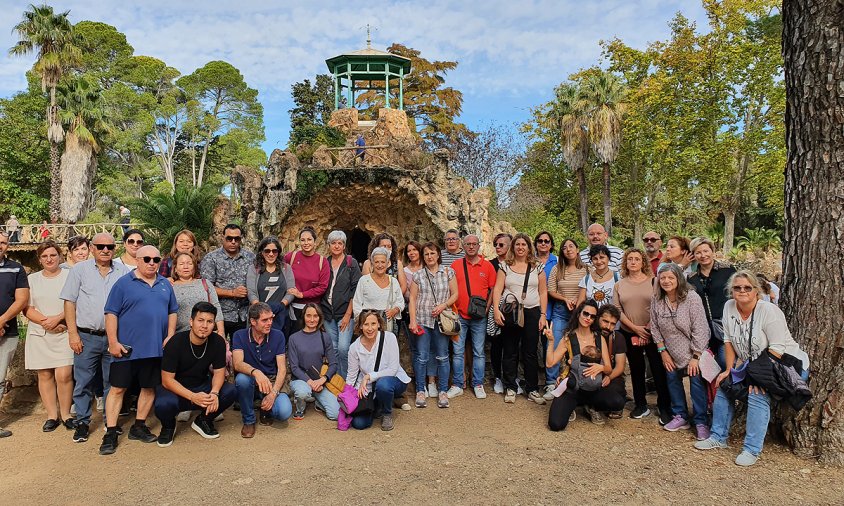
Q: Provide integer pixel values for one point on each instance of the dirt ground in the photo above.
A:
(476, 452)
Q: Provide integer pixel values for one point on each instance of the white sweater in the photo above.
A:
(769, 331)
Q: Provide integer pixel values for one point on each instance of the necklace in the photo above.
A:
(203, 349)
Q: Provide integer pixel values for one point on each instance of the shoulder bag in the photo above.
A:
(447, 322)
(716, 325)
(513, 309)
(336, 383)
(477, 305)
(366, 404)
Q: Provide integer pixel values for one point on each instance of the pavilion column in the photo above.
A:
(387, 89)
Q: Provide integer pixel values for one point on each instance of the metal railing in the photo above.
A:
(36, 233)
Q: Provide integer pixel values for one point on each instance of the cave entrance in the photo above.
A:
(358, 244)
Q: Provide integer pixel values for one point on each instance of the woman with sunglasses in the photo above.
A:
(582, 331)
(184, 242)
(751, 328)
(388, 379)
(520, 264)
(709, 279)
(270, 280)
(681, 334)
(78, 250)
(133, 240)
(501, 242)
(311, 271)
(563, 289)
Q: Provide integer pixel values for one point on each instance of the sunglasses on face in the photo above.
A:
(743, 289)
(543, 241)
(650, 239)
(100, 247)
(132, 242)
(153, 260)
(233, 238)
(270, 251)
(500, 245)
(589, 315)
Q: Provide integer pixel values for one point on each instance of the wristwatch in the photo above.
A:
(696, 356)
(215, 393)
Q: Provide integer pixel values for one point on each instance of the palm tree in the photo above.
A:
(164, 213)
(567, 114)
(605, 94)
(50, 35)
(81, 111)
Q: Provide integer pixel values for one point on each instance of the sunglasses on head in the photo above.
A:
(270, 251)
(101, 247)
(154, 260)
(650, 239)
(742, 288)
(589, 315)
(233, 238)
(132, 242)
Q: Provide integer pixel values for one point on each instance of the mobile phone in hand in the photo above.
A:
(128, 352)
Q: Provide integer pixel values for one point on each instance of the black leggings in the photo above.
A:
(496, 351)
(603, 399)
(636, 359)
(517, 339)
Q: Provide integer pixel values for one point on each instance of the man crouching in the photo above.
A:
(193, 376)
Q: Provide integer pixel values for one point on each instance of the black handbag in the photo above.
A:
(477, 304)
(366, 404)
(716, 325)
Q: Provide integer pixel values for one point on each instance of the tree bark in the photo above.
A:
(607, 199)
(55, 183)
(813, 255)
(729, 230)
(584, 199)
(78, 164)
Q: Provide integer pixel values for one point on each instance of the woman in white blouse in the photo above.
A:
(379, 291)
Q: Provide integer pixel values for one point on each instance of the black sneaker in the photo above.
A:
(205, 428)
(69, 424)
(80, 435)
(640, 412)
(141, 433)
(109, 444)
(165, 439)
(665, 416)
(51, 425)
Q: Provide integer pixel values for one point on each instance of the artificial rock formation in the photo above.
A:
(403, 190)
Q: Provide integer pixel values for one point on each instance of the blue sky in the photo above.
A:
(511, 54)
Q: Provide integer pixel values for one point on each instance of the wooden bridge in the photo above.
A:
(33, 234)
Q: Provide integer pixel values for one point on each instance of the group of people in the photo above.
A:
(271, 331)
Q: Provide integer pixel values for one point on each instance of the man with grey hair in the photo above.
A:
(596, 234)
(140, 316)
(336, 302)
(452, 250)
(14, 297)
(84, 294)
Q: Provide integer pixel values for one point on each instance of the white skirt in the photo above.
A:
(46, 350)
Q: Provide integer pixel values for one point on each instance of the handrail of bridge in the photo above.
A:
(34, 233)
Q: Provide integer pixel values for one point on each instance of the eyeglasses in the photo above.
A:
(742, 289)
(233, 238)
(154, 260)
(101, 247)
(132, 242)
(500, 245)
(470, 244)
(650, 239)
(270, 251)
(543, 241)
(589, 315)
(451, 238)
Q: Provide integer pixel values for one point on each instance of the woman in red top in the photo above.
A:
(312, 273)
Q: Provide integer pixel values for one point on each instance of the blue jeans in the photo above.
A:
(324, 399)
(476, 331)
(386, 389)
(94, 350)
(168, 404)
(678, 396)
(247, 392)
(431, 338)
(559, 319)
(341, 341)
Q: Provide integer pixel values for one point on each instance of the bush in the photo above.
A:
(164, 214)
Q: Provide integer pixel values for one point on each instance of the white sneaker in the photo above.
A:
(454, 391)
(480, 393)
(219, 418)
(432, 390)
(535, 397)
(519, 389)
(498, 387)
(183, 416)
(510, 396)
(549, 392)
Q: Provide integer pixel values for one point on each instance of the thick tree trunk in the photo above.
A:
(729, 230)
(77, 169)
(55, 183)
(607, 199)
(813, 256)
(584, 199)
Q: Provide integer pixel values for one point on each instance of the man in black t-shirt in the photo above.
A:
(193, 376)
(608, 316)
(14, 297)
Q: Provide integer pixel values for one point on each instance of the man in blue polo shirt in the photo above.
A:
(14, 297)
(259, 359)
(140, 315)
(84, 295)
